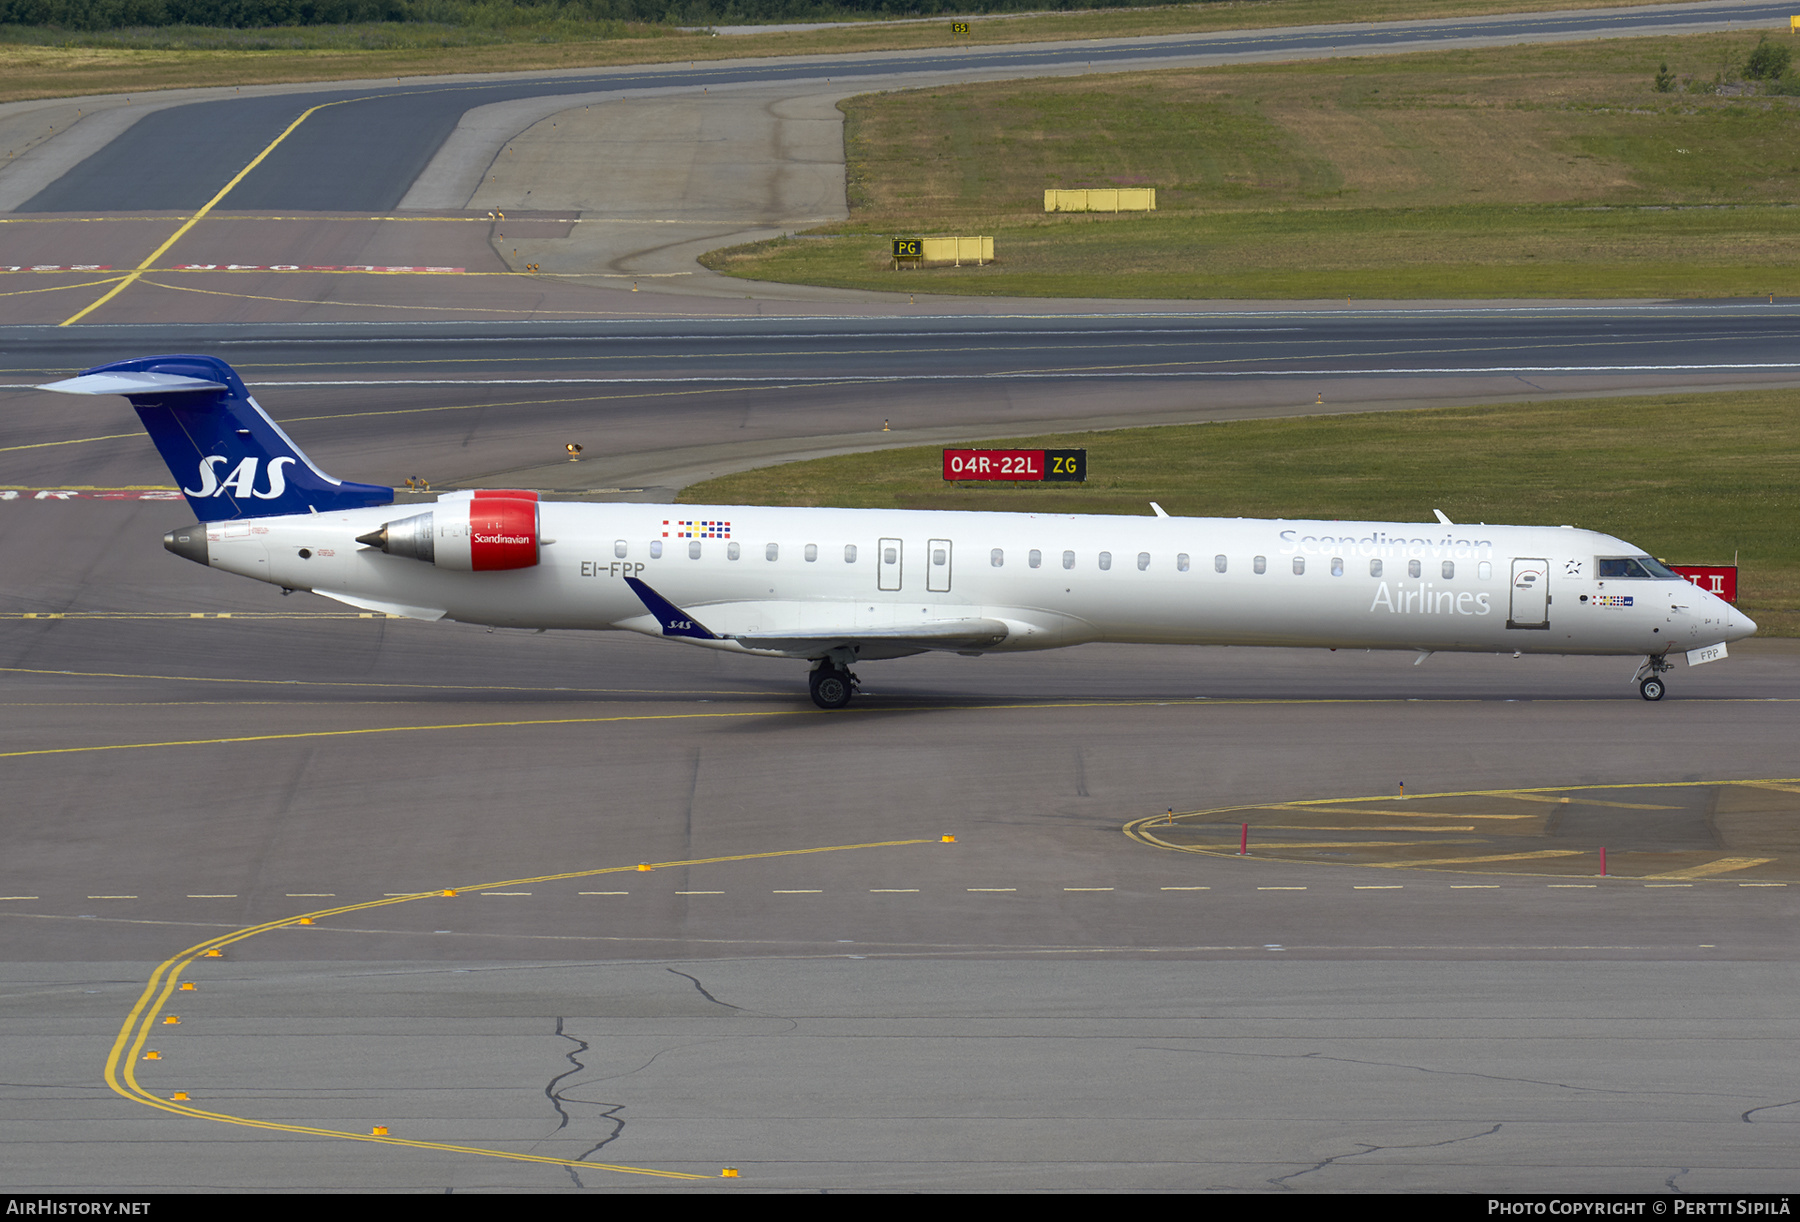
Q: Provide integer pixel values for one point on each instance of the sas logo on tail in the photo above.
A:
(242, 480)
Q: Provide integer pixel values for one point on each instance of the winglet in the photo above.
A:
(1443, 518)
(675, 621)
(1160, 511)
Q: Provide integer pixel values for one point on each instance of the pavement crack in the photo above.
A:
(1670, 1182)
(608, 1113)
(551, 1090)
(1454, 1073)
(1767, 1107)
(701, 989)
(1280, 1181)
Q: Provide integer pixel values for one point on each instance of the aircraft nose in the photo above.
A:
(1741, 625)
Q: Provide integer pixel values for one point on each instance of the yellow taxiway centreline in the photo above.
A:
(128, 1046)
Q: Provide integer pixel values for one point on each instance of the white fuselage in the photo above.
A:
(1052, 580)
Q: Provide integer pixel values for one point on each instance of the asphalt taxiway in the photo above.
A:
(809, 984)
(507, 911)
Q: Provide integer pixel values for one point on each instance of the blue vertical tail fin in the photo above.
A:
(229, 459)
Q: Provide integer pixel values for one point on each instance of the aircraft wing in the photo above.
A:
(815, 634)
(962, 634)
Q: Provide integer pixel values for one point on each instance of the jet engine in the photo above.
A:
(482, 533)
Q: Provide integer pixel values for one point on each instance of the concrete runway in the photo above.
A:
(810, 984)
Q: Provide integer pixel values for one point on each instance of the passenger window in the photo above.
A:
(812, 552)
(1068, 560)
(656, 549)
(997, 558)
(732, 551)
(1374, 568)
(1337, 566)
(1143, 561)
(1105, 561)
(1484, 570)
(1181, 563)
(849, 553)
(772, 551)
(1035, 559)
(1299, 566)
(1412, 568)
(694, 550)
(619, 549)
(1218, 564)
(1259, 564)
(1449, 569)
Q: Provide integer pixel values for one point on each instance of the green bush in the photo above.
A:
(1769, 61)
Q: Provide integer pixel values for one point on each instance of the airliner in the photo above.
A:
(836, 587)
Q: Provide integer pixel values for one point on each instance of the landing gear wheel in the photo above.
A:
(1651, 688)
(831, 687)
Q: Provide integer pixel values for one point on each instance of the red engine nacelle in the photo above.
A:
(485, 533)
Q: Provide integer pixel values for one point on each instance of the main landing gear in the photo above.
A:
(1650, 676)
(831, 685)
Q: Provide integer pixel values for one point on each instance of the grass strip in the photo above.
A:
(1537, 171)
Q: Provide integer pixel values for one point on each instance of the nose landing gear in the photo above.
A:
(1649, 676)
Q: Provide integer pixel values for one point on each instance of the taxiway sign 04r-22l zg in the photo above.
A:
(840, 586)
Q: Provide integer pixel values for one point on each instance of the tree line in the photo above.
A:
(94, 15)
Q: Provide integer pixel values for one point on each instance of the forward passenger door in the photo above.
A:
(1530, 594)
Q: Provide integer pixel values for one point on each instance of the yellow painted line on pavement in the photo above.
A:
(1397, 827)
(1142, 830)
(128, 1045)
(460, 725)
(61, 288)
(72, 441)
(1538, 797)
(1045, 706)
(1301, 845)
(195, 219)
(1724, 865)
(534, 311)
(1538, 855)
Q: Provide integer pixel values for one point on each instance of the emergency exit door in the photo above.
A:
(890, 560)
(937, 566)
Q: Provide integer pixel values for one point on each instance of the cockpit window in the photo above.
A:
(1632, 566)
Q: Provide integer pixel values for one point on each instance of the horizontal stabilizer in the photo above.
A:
(132, 382)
